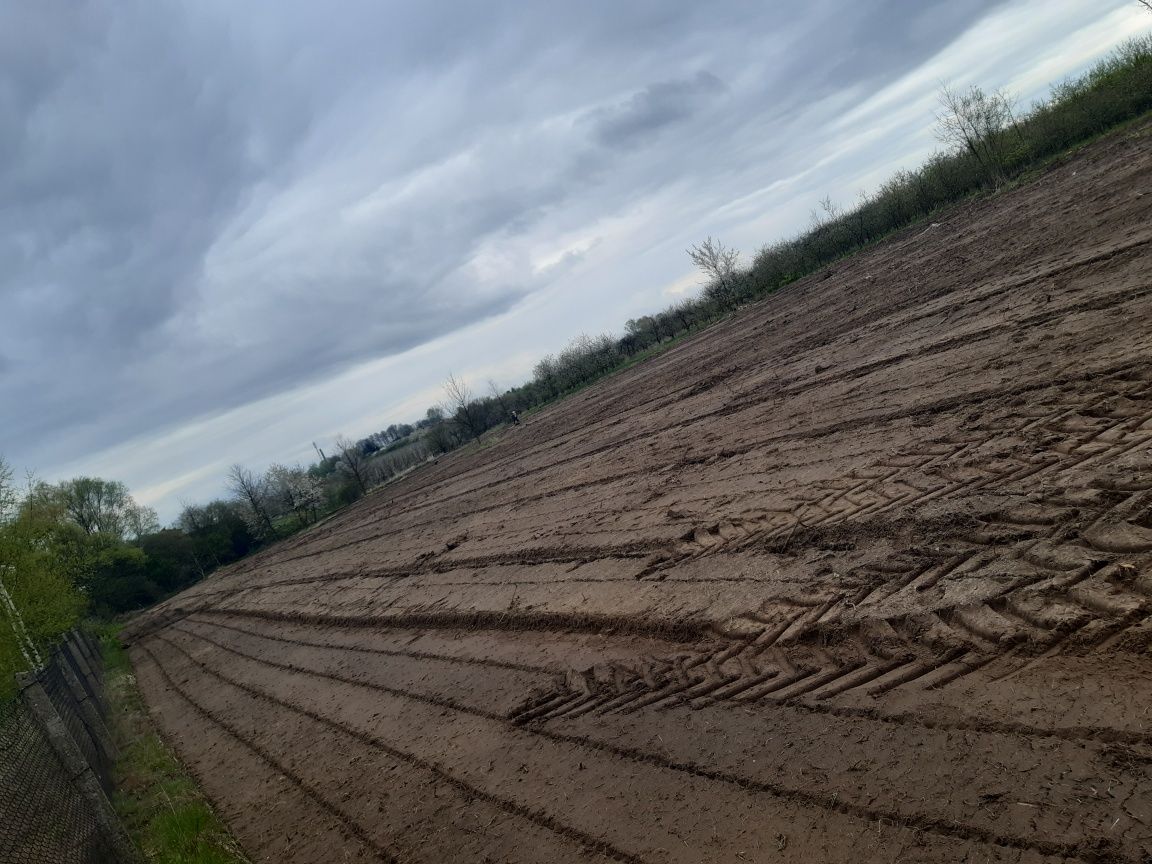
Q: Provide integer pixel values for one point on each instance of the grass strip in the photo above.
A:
(160, 804)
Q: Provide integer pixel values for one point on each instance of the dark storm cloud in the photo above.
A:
(654, 108)
(204, 204)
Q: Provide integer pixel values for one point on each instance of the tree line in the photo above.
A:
(86, 547)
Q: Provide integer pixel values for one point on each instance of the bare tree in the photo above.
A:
(499, 397)
(458, 400)
(683, 312)
(828, 213)
(352, 462)
(975, 121)
(1147, 4)
(719, 264)
(252, 494)
(456, 392)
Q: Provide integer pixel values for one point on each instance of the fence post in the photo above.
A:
(40, 706)
(88, 711)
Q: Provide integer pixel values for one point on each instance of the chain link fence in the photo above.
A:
(56, 759)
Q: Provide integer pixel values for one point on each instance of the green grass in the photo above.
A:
(160, 804)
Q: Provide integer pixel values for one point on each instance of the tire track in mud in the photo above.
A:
(823, 659)
(993, 627)
(767, 538)
(549, 706)
(589, 843)
(1086, 851)
(960, 640)
(880, 504)
(399, 577)
(1070, 591)
(684, 630)
(923, 409)
(871, 479)
(386, 652)
(380, 852)
(637, 549)
(866, 369)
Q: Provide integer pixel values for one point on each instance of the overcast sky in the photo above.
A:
(230, 229)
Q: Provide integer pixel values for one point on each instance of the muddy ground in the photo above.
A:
(862, 574)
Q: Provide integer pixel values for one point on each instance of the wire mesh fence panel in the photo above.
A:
(65, 705)
(54, 774)
(84, 673)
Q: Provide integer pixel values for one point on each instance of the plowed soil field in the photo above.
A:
(862, 574)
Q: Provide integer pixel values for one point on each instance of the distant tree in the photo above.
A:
(645, 330)
(683, 312)
(460, 405)
(251, 492)
(857, 217)
(974, 121)
(100, 506)
(544, 374)
(352, 463)
(394, 433)
(171, 560)
(328, 466)
(295, 491)
(719, 264)
(117, 578)
(498, 396)
(219, 532)
(668, 321)
(191, 517)
(827, 213)
(441, 438)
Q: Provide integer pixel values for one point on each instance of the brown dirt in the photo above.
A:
(864, 573)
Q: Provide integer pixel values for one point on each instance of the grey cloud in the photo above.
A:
(654, 108)
(205, 204)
